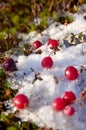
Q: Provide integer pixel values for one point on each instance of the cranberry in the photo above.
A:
(9, 65)
(47, 62)
(58, 104)
(71, 73)
(37, 44)
(53, 43)
(69, 111)
(69, 97)
(21, 101)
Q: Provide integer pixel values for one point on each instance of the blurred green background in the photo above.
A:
(18, 15)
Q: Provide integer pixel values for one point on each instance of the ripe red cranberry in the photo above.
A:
(58, 104)
(69, 97)
(47, 62)
(69, 111)
(37, 44)
(21, 101)
(71, 73)
(9, 65)
(53, 43)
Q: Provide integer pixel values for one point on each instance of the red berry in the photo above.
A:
(21, 101)
(69, 97)
(9, 65)
(58, 104)
(47, 62)
(37, 44)
(69, 111)
(53, 43)
(71, 73)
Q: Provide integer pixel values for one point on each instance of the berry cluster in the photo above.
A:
(52, 43)
(59, 104)
(64, 103)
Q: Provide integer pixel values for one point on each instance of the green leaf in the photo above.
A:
(54, 14)
(2, 34)
(43, 24)
(24, 124)
(80, 36)
(2, 73)
(15, 19)
(32, 27)
(12, 30)
(33, 126)
(12, 128)
(44, 13)
(3, 117)
(72, 37)
(6, 84)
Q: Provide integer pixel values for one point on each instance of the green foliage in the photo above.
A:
(17, 15)
(32, 126)
(84, 1)
(2, 73)
(44, 13)
(13, 123)
(3, 117)
(15, 19)
(5, 90)
(72, 37)
(32, 27)
(80, 36)
(8, 41)
(2, 34)
(43, 24)
(11, 128)
(64, 19)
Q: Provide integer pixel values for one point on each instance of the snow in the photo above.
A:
(42, 92)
